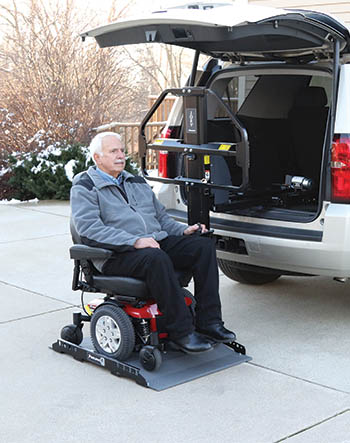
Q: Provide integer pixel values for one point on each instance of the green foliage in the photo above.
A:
(48, 174)
(43, 175)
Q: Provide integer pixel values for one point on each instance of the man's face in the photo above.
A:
(113, 159)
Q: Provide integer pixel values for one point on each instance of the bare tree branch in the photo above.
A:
(52, 86)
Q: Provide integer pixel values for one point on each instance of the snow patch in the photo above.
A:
(69, 169)
(16, 202)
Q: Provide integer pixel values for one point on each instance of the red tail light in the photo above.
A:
(163, 157)
(163, 164)
(340, 166)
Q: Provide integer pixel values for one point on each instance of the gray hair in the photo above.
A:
(96, 143)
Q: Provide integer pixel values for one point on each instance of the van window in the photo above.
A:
(325, 83)
(272, 96)
(234, 93)
(264, 96)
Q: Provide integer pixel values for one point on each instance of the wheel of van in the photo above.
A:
(112, 332)
(250, 277)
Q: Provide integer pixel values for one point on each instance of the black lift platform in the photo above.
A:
(177, 367)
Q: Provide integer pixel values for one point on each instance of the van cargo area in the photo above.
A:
(285, 113)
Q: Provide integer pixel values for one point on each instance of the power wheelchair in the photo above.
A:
(126, 319)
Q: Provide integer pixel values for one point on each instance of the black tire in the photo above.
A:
(112, 332)
(72, 333)
(150, 358)
(230, 269)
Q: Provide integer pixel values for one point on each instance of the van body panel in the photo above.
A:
(342, 119)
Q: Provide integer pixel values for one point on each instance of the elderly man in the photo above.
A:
(116, 210)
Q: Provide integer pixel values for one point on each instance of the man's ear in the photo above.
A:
(96, 157)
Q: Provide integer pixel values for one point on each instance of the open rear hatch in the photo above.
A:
(230, 33)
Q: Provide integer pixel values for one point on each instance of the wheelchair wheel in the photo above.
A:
(72, 333)
(150, 358)
(112, 332)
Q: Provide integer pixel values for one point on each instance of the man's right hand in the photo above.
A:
(146, 242)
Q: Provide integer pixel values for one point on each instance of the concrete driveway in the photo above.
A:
(296, 388)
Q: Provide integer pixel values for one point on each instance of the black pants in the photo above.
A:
(156, 267)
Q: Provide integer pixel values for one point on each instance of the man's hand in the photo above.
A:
(146, 242)
(191, 229)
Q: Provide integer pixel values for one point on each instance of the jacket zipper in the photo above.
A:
(143, 221)
(127, 200)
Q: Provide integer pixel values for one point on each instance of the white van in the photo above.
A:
(258, 143)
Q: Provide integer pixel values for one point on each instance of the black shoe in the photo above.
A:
(218, 333)
(193, 343)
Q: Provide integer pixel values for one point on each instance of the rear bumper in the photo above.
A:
(295, 249)
(292, 256)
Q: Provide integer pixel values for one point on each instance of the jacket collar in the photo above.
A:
(99, 181)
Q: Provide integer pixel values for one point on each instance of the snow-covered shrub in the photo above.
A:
(43, 175)
(48, 174)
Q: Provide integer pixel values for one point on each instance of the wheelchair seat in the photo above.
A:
(110, 285)
(127, 286)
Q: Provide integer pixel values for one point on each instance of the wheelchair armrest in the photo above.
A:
(83, 252)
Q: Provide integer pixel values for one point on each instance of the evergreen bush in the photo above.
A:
(48, 174)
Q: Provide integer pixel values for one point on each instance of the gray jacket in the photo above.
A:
(106, 216)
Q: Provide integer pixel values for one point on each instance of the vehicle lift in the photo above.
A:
(195, 150)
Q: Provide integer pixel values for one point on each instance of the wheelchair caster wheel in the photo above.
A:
(72, 333)
(150, 358)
